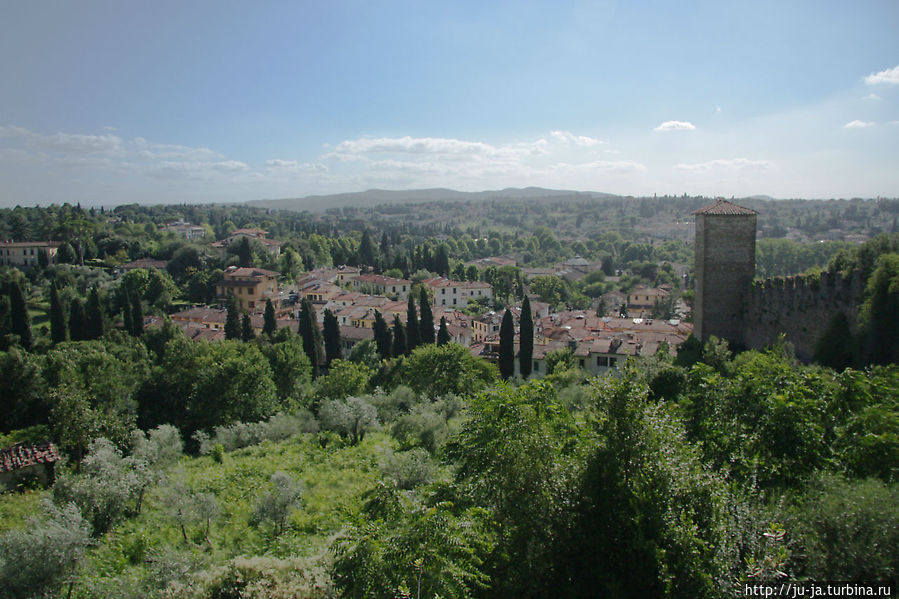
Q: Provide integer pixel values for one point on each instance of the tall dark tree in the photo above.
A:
(526, 339)
(269, 322)
(58, 332)
(507, 346)
(137, 317)
(77, 321)
(413, 334)
(244, 252)
(232, 319)
(43, 260)
(20, 320)
(366, 250)
(426, 324)
(94, 318)
(443, 336)
(441, 261)
(246, 328)
(399, 338)
(382, 336)
(127, 316)
(312, 336)
(331, 336)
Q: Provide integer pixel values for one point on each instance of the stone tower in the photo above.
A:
(725, 267)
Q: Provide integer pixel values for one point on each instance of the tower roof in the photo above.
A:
(723, 207)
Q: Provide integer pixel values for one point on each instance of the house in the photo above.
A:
(186, 230)
(383, 285)
(272, 245)
(458, 294)
(25, 253)
(644, 298)
(24, 462)
(250, 287)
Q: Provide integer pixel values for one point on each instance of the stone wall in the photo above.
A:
(800, 307)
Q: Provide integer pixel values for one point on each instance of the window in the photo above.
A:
(443, 291)
(454, 301)
(454, 290)
(250, 291)
(581, 362)
(612, 362)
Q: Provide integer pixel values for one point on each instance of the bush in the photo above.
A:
(408, 469)
(350, 418)
(36, 561)
(243, 434)
(424, 427)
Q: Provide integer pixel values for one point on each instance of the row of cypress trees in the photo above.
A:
(525, 343)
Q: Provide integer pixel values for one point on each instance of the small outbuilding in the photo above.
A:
(26, 462)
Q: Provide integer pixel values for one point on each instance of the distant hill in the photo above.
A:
(373, 197)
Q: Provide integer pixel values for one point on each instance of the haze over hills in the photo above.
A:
(373, 197)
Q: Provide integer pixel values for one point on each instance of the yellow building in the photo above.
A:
(250, 286)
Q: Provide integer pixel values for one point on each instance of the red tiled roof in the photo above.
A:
(22, 455)
(725, 208)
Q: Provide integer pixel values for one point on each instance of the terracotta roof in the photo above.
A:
(22, 455)
(244, 271)
(725, 208)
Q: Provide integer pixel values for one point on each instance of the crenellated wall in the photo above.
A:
(801, 307)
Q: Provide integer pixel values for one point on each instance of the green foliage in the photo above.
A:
(443, 336)
(424, 426)
(58, 330)
(276, 504)
(383, 338)
(345, 378)
(290, 368)
(560, 360)
(506, 361)
(514, 457)
(409, 469)
(846, 530)
(35, 562)
(270, 324)
(526, 339)
(405, 547)
(331, 338)
(19, 317)
(879, 313)
(433, 371)
(232, 319)
(23, 390)
(351, 418)
(244, 434)
(836, 347)
(413, 333)
(426, 321)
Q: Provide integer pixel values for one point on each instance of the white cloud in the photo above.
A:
(278, 165)
(733, 164)
(856, 124)
(675, 126)
(885, 76)
(568, 137)
(615, 167)
(872, 96)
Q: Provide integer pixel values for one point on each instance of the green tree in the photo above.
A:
(366, 250)
(399, 337)
(58, 330)
(311, 335)
(244, 252)
(879, 313)
(526, 339)
(426, 324)
(94, 315)
(277, 504)
(19, 318)
(836, 346)
(290, 367)
(270, 324)
(137, 317)
(443, 336)
(413, 333)
(246, 329)
(383, 338)
(232, 319)
(344, 379)
(60, 537)
(434, 371)
(507, 346)
(331, 337)
(351, 417)
(524, 480)
(77, 320)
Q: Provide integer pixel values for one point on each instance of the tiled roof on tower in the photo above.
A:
(723, 207)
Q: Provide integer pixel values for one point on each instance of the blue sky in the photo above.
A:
(115, 102)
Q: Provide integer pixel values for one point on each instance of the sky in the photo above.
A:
(171, 101)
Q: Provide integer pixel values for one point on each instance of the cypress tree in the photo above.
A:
(413, 335)
(526, 339)
(269, 322)
(366, 250)
(77, 328)
(43, 260)
(399, 338)
(312, 336)
(127, 316)
(246, 329)
(137, 317)
(94, 324)
(58, 333)
(443, 336)
(19, 317)
(331, 336)
(507, 347)
(426, 324)
(244, 254)
(382, 336)
(232, 320)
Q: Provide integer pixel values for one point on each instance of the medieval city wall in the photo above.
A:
(801, 307)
